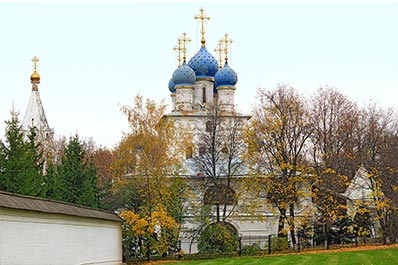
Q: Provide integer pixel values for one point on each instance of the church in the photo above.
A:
(203, 89)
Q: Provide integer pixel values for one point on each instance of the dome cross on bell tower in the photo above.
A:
(202, 17)
(35, 77)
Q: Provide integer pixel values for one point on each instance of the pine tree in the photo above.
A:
(75, 179)
(21, 168)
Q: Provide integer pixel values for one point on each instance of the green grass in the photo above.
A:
(376, 257)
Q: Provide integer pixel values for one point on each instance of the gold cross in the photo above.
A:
(178, 49)
(35, 60)
(219, 50)
(226, 41)
(184, 40)
(202, 17)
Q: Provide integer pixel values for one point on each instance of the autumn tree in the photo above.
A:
(334, 153)
(220, 163)
(220, 159)
(21, 163)
(379, 141)
(148, 158)
(103, 159)
(278, 139)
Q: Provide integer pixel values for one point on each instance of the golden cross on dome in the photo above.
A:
(226, 41)
(178, 49)
(219, 50)
(202, 17)
(184, 40)
(35, 60)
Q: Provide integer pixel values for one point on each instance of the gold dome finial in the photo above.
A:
(226, 41)
(35, 77)
(202, 17)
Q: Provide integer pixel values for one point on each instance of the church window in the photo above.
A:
(202, 150)
(204, 95)
(208, 126)
(224, 150)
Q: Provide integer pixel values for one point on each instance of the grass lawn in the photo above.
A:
(376, 257)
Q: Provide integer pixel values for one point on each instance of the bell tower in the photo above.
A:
(34, 114)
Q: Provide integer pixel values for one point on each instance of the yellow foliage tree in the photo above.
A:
(148, 160)
(155, 228)
(277, 139)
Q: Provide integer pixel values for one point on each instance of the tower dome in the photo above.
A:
(226, 76)
(183, 75)
(172, 86)
(35, 78)
(203, 63)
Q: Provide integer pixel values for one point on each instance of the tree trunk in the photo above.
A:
(218, 212)
(326, 234)
(281, 223)
(292, 226)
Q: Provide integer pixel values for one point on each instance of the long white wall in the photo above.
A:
(33, 238)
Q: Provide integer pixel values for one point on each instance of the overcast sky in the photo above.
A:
(95, 57)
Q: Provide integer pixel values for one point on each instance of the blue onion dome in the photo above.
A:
(203, 63)
(172, 86)
(226, 76)
(184, 75)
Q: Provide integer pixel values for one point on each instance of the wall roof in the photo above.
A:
(22, 202)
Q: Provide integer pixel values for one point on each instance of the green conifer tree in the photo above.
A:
(21, 167)
(76, 176)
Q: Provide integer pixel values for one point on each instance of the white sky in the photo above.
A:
(95, 57)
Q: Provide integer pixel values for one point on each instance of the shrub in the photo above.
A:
(218, 238)
(250, 249)
(279, 244)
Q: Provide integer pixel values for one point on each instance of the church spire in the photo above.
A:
(202, 17)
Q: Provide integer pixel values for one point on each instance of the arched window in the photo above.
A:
(202, 150)
(224, 150)
(209, 126)
(204, 95)
(221, 194)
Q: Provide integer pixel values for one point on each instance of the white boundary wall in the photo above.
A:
(35, 238)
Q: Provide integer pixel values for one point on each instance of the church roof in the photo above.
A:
(22, 202)
(34, 115)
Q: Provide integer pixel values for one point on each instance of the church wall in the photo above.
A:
(32, 238)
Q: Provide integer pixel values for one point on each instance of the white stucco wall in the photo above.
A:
(34, 238)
